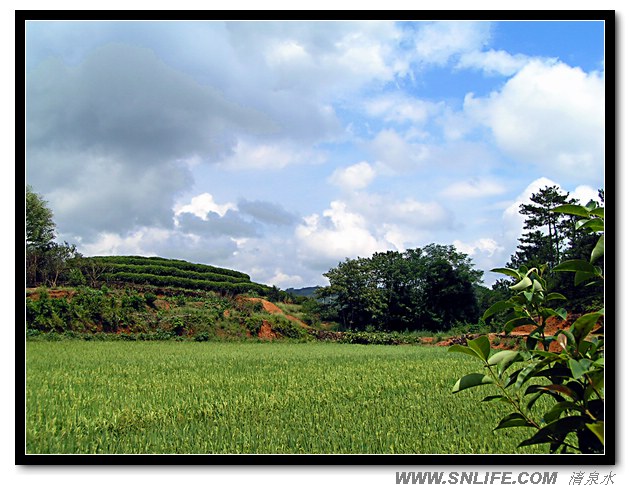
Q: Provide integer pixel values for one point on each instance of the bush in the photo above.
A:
(573, 420)
(202, 337)
(149, 299)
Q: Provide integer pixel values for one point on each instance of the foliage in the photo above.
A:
(397, 291)
(40, 227)
(550, 237)
(221, 397)
(573, 419)
(172, 263)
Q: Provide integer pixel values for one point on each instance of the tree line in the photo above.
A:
(429, 288)
(436, 287)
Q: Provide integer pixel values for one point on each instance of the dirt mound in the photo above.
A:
(265, 332)
(272, 308)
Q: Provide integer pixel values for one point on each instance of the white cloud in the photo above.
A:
(584, 194)
(354, 177)
(473, 188)
(201, 205)
(487, 246)
(493, 62)
(267, 155)
(138, 242)
(283, 280)
(512, 220)
(400, 109)
(440, 41)
(340, 233)
(394, 152)
(550, 115)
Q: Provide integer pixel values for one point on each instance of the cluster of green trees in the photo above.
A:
(435, 288)
(46, 262)
(429, 288)
(550, 237)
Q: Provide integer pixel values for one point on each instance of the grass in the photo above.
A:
(222, 397)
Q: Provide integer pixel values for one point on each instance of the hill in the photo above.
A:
(166, 273)
(308, 291)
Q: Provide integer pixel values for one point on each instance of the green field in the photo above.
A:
(208, 397)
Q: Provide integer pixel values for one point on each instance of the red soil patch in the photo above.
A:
(161, 304)
(34, 294)
(513, 339)
(272, 308)
(265, 332)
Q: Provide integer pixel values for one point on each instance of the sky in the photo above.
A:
(282, 148)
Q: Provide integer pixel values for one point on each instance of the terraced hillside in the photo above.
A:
(173, 273)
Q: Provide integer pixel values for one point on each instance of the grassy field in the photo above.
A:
(208, 397)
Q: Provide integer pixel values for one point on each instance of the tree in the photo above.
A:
(549, 237)
(536, 246)
(45, 260)
(424, 288)
(40, 228)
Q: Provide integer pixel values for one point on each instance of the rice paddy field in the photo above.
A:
(256, 398)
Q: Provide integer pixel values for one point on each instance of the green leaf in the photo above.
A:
(527, 373)
(496, 308)
(471, 380)
(507, 271)
(481, 345)
(583, 325)
(513, 420)
(599, 212)
(598, 429)
(581, 277)
(598, 250)
(496, 398)
(556, 431)
(464, 350)
(555, 296)
(575, 265)
(572, 209)
(517, 322)
(505, 359)
(561, 313)
(556, 411)
(595, 225)
(579, 368)
(569, 339)
(521, 285)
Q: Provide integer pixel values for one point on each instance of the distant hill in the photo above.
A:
(308, 291)
(172, 273)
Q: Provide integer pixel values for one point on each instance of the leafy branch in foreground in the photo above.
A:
(573, 377)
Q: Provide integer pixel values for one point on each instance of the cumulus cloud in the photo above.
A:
(267, 212)
(439, 42)
(105, 137)
(549, 115)
(201, 205)
(474, 188)
(354, 177)
(493, 62)
(268, 154)
(399, 108)
(337, 234)
(366, 223)
(395, 153)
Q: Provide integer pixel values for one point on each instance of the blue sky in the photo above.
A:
(282, 148)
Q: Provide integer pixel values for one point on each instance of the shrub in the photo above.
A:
(149, 299)
(573, 376)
